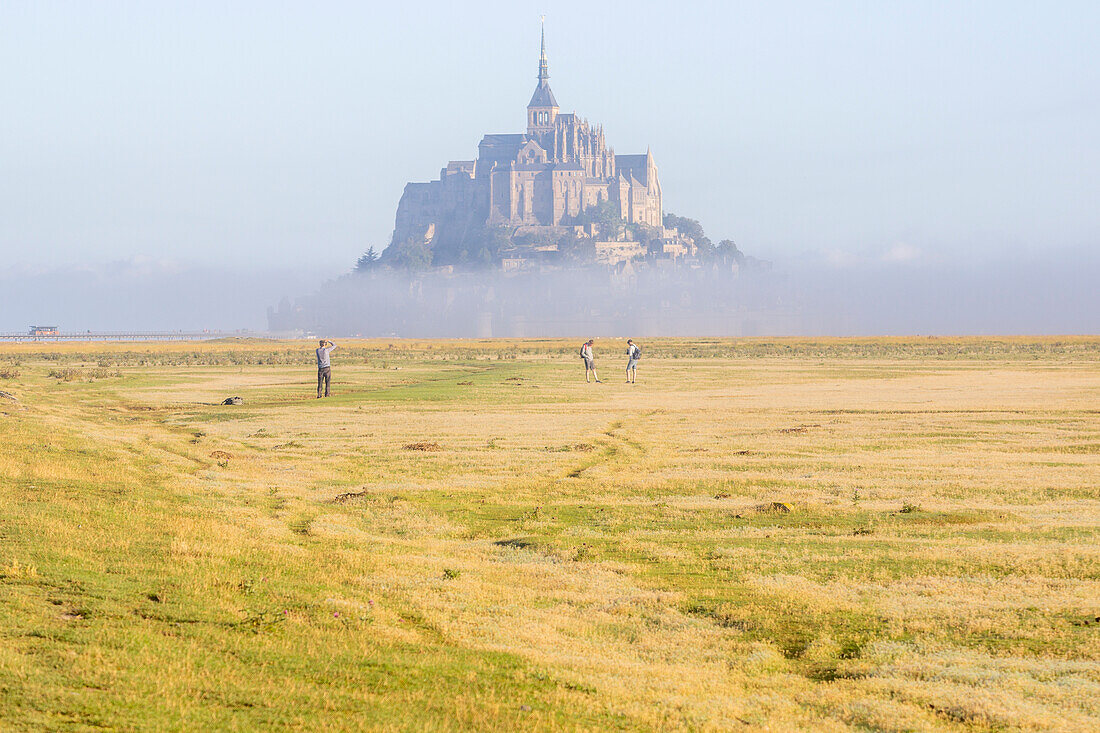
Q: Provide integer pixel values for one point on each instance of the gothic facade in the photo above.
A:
(547, 176)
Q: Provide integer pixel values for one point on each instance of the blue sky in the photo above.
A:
(281, 134)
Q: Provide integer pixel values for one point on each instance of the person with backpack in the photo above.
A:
(589, 361)
(633, 353)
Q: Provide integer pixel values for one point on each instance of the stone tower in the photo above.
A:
(542, 110)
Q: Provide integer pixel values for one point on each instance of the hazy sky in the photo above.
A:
(235, 133)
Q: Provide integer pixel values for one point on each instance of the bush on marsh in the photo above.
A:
(423, 446)
(301, 525)
(69, 374)
(583, 553)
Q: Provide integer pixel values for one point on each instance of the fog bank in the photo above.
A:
(810, 296)
(1014, 294)
(144, 294)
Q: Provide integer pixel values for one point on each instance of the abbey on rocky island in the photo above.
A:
(548, 232)
(545, 177)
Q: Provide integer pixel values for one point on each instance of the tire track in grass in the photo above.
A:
(612, 445)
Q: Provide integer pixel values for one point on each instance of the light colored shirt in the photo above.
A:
(586, 350)
(632, 351)
(322, 356)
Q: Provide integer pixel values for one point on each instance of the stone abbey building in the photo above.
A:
(529, 240)
(547, 176)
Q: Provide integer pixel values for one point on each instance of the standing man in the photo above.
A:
(324, 366)
(633, 353)
(589, 361)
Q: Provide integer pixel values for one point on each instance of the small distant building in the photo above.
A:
(675, 245)
(45, 331)
(674, 249)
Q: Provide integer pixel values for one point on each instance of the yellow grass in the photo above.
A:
(573, 556)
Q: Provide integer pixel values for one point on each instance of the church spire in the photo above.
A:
(544, 65)
(543, 108)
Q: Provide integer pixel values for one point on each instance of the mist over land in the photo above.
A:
(143, 294)
(895, 293)
(1019, 295)
(1016, 293)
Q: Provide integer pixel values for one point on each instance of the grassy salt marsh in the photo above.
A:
(876, 534)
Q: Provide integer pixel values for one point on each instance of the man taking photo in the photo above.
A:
(324, 366)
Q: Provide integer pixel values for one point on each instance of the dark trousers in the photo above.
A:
(324, 376)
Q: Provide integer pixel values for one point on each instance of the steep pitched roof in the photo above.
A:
(543, 97)
(500, 148)
(633, 166)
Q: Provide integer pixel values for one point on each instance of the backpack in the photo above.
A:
(637, 351)
(582, 350)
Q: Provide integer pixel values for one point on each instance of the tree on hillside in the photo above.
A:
(411, 255)
(647, 235)
(368, 261)
(729, 253)
(604, 215)
(707, 252)
(691, 228)
(486, 243)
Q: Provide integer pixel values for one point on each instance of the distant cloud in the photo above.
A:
(841, 258)
(901, 252)
(140, 266)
